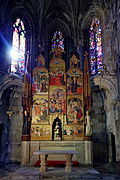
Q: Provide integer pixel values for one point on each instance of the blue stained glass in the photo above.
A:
(57, 40)
(95, 47)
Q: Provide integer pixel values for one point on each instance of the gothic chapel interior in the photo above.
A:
(60, 79)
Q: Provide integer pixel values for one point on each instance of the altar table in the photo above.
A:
(44, 154)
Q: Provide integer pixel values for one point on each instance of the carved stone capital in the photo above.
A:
(10, 113)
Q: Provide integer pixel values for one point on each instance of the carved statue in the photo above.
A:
(26, 123)
(88, 123)
(57, 52)
(57, 132)
(40, 61)
(74, 61)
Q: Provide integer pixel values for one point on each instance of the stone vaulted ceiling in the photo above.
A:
(45, 11)
(46, 16)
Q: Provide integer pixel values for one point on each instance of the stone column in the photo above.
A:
(25, 152)
(68, 162)
(43, 158)
(88, 152)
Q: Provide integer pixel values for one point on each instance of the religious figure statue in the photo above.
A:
(74, 61)
(26, 123)
(74, 85)
(57, 53)
(88, 123)
(43, 86)
(40, 61)
(57, 132)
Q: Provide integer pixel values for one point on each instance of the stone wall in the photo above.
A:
(100, 136)
(4, 128)
(16, 127)
(115, 41)
(11, 120)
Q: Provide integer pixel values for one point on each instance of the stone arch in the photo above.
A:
(97, 12)
(11, 90)
(8, 81)
(107, 84)
(53, 26)
(98, 114)
(94, 11)
(18, 9)
(29, 22)
(57, 24)
(111, 94)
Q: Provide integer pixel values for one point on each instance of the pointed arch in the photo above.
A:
(57, 40)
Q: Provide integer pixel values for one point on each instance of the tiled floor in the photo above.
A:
(15, 172)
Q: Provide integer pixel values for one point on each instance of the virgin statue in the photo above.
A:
(88, 123)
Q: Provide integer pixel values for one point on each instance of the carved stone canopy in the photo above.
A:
(57, 52)
(74, 61)
(40, 61)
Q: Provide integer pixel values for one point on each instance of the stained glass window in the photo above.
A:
(95, 47)
(18, 47)
(57, 40)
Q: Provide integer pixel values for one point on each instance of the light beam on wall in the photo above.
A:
(14, 54)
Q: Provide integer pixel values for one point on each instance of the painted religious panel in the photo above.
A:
(40, 109)
(36, 132)
(40, 81)
(74, 82)
(74, 110)
(57, 99)
(47, 132)
(57, 72)
(39, 132)
(73, 132)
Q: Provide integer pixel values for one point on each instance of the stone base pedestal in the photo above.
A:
(88, 152)
(25, 138)
(43, 163)
(25, 152)
(85, 149)
(68, 163)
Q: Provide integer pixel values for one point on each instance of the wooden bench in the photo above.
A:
(44, 154)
